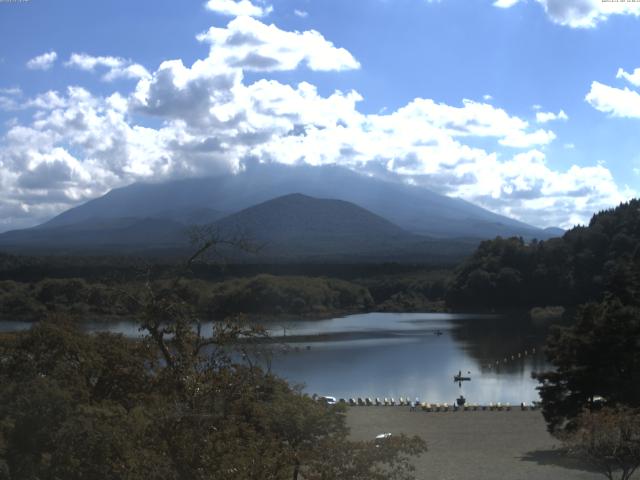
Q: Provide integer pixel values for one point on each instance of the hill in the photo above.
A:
(299, 224)
(585, 264)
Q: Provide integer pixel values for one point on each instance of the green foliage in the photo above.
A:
(271, 295)
(263, 294)
(581, 266)
(68, 397)
(173, 406)
(599, 356)
(366, 460)
(416, 291)
(33, 301)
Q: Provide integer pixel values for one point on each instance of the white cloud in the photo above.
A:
(237, 8)
(614, 101)
(580, 13)
(43, 62)
(78, 145)
(76, 150)
(116, 67)
(248, 44)
(301, 13)
(505, 3)
(633, 78)
(46, 101)
(487, 97)
(13, 91)
(544, 117)
(9, 98)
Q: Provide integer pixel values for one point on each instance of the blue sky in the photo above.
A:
(527, 107)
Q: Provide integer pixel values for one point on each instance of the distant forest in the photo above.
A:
(584, 265)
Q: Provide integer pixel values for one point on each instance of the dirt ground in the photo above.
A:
(480, 445)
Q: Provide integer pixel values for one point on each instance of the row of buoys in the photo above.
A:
(511, 358)
(432, 407)
(386, 402)
(295, 349)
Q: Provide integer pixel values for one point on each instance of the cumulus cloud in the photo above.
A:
(237, 8)
(525, 184)
(617, 102)
(301, 13)
(544, 117)
(209, 118)
(579, 13)
(43, 62)
(116, 67)
(249, 44)
(633, 78)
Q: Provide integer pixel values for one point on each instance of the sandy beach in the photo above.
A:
(480, 445)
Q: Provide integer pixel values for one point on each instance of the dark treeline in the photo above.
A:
(93, 287)
(262, 295)
(581, 266)
(122, 268)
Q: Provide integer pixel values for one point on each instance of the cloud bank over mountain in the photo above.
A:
(212, 115)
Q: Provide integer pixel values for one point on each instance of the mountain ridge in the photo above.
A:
(413, 208)
(366, 217)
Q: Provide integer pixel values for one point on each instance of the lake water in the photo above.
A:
(409, 355)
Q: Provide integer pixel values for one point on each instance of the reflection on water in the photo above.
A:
(393, 355)
(409, 355)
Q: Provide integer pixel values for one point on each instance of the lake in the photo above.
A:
(401, 354)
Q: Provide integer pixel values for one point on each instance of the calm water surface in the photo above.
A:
(393, 355)
(409, 355)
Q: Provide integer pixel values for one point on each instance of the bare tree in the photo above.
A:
(609, 439)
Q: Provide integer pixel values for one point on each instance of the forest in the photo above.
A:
(584, 265)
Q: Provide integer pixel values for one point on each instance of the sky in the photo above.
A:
(529, 108)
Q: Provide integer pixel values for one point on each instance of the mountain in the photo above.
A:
(412, 208)
(297, 224)
(288, 228)
(97, 235)
(554, 232)
(296, 212)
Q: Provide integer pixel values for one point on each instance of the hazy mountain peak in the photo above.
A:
(412, 208)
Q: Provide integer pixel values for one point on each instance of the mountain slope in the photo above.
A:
(99, 234)
(293, 227)
(412, 208)
(297, 224)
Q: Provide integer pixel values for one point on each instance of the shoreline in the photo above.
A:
(480, 445)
